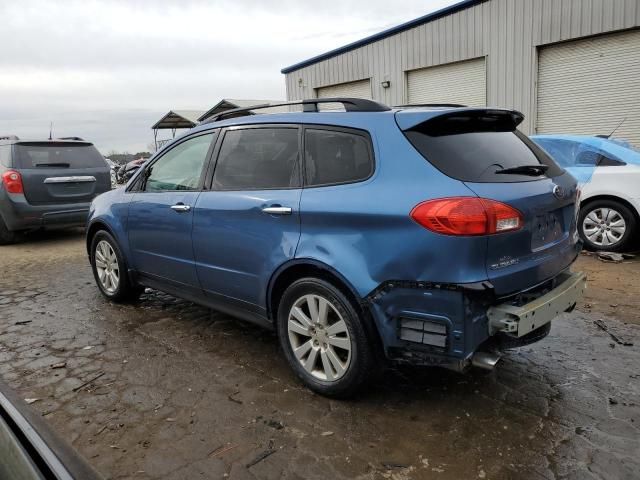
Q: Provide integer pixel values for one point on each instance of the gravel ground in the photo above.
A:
(166, 389)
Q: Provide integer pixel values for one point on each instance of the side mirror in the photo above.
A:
(130, 170)
(127, 171)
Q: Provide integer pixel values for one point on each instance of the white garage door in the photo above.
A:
(589, 86)
(461, 82)
(359, 89)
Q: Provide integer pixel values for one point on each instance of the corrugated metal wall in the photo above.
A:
(458, 82)
(589, 86)
(507, 32)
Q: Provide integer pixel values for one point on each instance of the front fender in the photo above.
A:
(110, 211)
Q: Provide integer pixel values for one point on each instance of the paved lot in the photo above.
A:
(166, 389)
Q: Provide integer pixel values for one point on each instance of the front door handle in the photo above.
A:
(180, 207)
(278, 210)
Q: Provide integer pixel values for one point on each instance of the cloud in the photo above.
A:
(109, 69)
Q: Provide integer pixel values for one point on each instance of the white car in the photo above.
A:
(113, 167)
(609, 173)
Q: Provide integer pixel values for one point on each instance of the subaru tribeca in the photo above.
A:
(47, 184)
(430, 235)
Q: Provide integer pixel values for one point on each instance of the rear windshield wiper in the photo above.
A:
(532, 170)
(61, 164)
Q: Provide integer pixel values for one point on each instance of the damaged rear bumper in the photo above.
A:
(520, 320)
(437, 324)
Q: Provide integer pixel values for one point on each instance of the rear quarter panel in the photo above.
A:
(364, 231)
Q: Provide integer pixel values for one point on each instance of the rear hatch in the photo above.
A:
(61, 172)
(483, 149)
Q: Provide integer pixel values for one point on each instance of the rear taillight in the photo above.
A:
(467, 216)
(12, 182)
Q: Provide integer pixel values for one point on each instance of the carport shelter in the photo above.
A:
(174, 120)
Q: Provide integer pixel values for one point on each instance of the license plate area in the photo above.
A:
(547, 229)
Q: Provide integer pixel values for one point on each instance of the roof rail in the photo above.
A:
(418, 105)
(78, 139)
(9, 137)
(308, 105)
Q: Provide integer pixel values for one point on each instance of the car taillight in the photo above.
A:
(12, 181)
(467, 216)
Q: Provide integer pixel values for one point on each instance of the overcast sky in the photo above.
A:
(107, 70)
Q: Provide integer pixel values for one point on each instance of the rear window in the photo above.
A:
(5, 155)
(472, 147)
(569, 154)
(58, 155)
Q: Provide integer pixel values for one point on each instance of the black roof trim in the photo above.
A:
(456, 7)
(308, 105)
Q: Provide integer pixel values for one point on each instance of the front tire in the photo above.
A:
(323, 338)
(607, 225)
(110, 269)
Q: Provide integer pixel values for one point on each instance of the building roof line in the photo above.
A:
(456, 7)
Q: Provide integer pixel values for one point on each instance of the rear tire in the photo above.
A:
(110, 269)
(607, 225)
(331, 353)
(7, 237)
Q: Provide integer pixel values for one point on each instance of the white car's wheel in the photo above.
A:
(606, 225)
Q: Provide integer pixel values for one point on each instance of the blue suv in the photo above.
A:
(431, 235)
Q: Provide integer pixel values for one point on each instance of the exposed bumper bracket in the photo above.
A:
(521, 320)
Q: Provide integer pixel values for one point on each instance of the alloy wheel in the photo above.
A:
(319, 337)
(604, 226)
(107, 266)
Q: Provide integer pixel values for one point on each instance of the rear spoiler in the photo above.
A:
(508, 119)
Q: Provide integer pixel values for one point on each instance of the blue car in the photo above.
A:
(430, 236)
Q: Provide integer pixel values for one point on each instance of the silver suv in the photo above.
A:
(47, 184)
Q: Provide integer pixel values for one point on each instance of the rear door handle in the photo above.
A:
(278, 210)
(180, 207)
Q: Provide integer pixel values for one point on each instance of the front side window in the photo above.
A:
(181, 167)
(333, 157)
(258, 159)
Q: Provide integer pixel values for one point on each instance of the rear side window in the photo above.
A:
(258, 159)
(58, 155)
(472, 147)
(335, 157)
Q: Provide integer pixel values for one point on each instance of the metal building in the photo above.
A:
(571, 66)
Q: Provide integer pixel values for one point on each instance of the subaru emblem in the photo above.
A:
(558, 191)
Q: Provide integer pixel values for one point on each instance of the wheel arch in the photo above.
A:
(94, 228)
(307, 267)
(293, 270)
